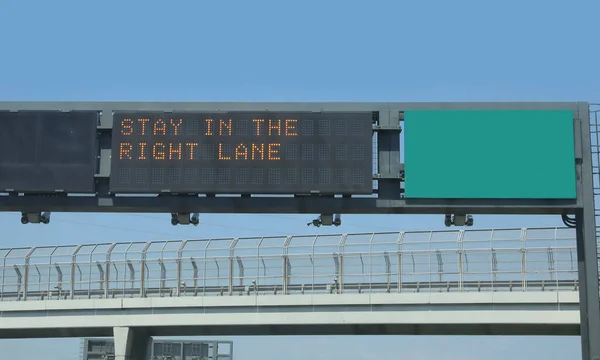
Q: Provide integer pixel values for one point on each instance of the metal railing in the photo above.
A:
(539, 259)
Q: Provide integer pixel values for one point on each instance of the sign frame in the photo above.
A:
(388, 195)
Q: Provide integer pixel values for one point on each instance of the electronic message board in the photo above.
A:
(48, 151)
(242, 152)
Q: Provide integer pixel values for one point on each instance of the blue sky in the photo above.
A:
(307, 50)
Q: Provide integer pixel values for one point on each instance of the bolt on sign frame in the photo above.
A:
(477, 158)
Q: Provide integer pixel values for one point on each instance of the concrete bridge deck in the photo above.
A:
(492, 313)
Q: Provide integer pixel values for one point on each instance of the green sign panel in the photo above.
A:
(489, 154)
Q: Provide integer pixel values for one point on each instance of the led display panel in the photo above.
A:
(48, 151)
(242, 152)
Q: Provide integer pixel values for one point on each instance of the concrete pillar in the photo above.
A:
(131, 344)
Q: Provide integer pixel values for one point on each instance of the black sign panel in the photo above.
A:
(46, 151)
(242, 152)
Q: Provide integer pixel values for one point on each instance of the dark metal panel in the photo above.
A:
(270, 205)
(334, 329)
(282, 106)
(48, 151)
(589, 299)
(487, 106)
(242, 152)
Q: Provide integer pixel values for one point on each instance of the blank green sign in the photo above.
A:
(493, 154)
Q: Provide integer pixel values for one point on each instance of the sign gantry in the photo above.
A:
(184, 158)
(323, 158)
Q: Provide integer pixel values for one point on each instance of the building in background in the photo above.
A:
(104, 349)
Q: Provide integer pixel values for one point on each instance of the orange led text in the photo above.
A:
(172, 138)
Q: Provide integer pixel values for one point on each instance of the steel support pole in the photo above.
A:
(589, 300)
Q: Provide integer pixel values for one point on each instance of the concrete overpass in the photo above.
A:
(498, 281)
(536, 313)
